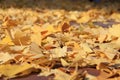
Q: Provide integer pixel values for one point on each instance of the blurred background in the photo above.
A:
(61, 4)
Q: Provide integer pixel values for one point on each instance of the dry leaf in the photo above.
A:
(47, 29)
(11, 71)
(86, 47)
(80, 55)
(85, 18)
(65, 27)
(114, 30)
(36, 36)
(4, 57)
(64, 62)
(59, 52)
(35, 49)
(17, 48)
(60, 42)
(7, 39)
(21, 38)
(59, 75)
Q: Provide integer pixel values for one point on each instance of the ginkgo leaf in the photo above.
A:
(65, 43)
(47, 30)
(63, 62)
(80, 55)
(102, 35)
(35, 49)
(11, 71)
(117, 43)
(65, 27)
(48, 27)
(86, 47)
(59, 52)
(59, 75)
(21, 38)
(91, 77)
(110, 52)
(114, 30)
(7, 39)
(84, 19)
(17, 48)
(9, 23)
(4, 57)
(115, 16)
(46, 72)
(36, 38)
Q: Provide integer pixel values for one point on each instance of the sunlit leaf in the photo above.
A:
(64, 63)
(59, 52)
(114, 30)
(86, 47)
(11, 71)
(7, 39)
(4, 57)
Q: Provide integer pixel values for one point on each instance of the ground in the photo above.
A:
(59, 40)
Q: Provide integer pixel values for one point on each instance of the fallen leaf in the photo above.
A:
(59, 75)
(21, 38)
(7, 39)
(114, 30)
(11, 71)
(65, 27)
(36, 38)
(35, 49)
(63, 62)
(4, 57)
(59, 52)
(86, 47)
(85, 18)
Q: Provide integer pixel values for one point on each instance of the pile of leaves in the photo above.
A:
(69, 45)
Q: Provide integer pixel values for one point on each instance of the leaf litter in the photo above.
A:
(61, 43)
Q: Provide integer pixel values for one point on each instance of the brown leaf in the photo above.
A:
(65, 27)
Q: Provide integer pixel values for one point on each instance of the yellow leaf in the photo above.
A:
(36, 29)
(59, 52)
(110, 52)
(21, 38)
(48, 29)
(36, 38)
(35, 49)
(117, 43)
(7, 40)
(84, 19)
(115, 30)
(11, 71)
(4, 57)
(59, 75)
(76, 46)
(86, 47)
(46, 73)
(81, 54)
(115, 16)
(102, 34)
(63, 62)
